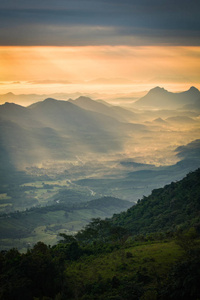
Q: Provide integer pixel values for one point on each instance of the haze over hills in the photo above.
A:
(47, 222)
(22, 99)
(190, 151)
(28, 99)
(91, 148)
(99, 113)
(53, 129)
(56, 154)
(159, 98)
(117, 112)
(156, 98)
(194, 106)
(60, 129)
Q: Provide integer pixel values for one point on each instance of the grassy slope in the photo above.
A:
(95, 275)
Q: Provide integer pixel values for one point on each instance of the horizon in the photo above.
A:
(87, 45)
(99, 69)
(103, 91)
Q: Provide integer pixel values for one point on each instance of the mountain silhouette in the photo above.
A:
(160, 98)
(119, 113)
(58, 130)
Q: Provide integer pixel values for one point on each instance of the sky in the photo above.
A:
(45, 44)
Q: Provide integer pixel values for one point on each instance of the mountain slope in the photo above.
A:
(175, 206)
(47, 222)
(113, 267)
(18, 114)
(65, 115)
(141, 180)
(53, 129)
(96, 131)
(194, 106)
(161, 98)
(119, 113)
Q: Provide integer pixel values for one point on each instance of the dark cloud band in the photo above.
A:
(99, 22)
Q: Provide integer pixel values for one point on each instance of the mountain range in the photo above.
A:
(101, 137)
(150, 251)
(156, 98)
(117, 112)
(159, 98)
(55, 129)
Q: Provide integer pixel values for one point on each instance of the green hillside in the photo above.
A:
(175, 206)
(130, 256)
(168, 209)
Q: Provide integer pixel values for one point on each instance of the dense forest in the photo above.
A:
(149, 252)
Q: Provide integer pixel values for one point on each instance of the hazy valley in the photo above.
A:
(62, 154)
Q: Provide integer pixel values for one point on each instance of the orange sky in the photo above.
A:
(156, 65)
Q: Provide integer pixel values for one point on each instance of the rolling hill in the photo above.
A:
(53, 129)
(28, 227)
(117, 112)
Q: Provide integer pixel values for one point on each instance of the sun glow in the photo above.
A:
(40, 67)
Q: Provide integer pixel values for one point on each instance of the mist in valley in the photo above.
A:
(92, 139)
(59, 155)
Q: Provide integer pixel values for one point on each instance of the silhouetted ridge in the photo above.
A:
(49, 100)
(10, 105)
(161, 98)
(159, 120)
(9, 94)
(157, 90)
(193, 89)
(13, 111)
(119, 113)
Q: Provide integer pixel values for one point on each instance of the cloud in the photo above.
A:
(109, 81)
(49, 81)
(99, 22)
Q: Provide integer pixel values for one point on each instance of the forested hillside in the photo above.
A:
(168, 209)
(175, 206)
(111, 259)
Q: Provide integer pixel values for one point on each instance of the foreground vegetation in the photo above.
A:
(125, 257)
(167, 269)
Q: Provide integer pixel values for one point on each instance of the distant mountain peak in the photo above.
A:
(51, 103)
(160, 98)
(84, 98)
(159, 120)
(49, 100)
(193, 89)
(10, 94)
(158, 89)
(10, 104)
(10, 108)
